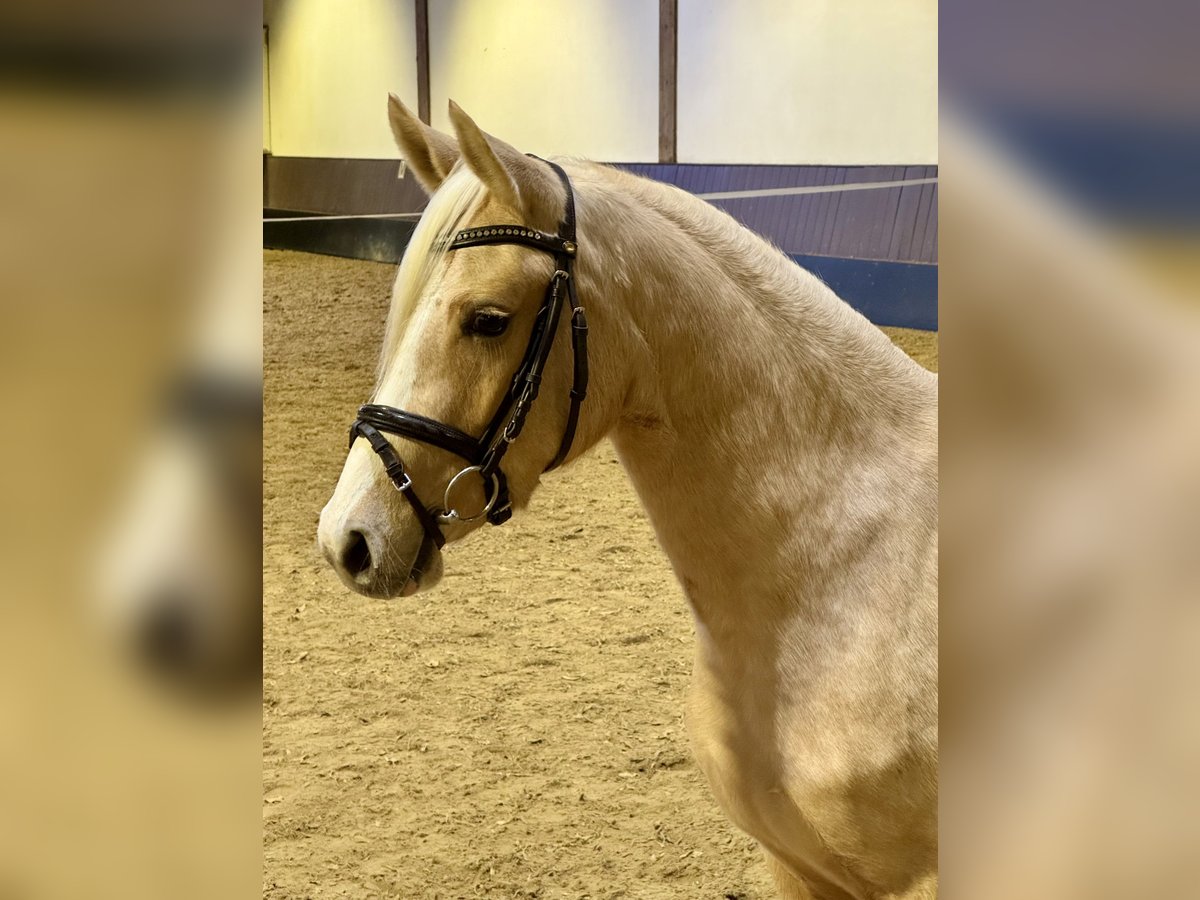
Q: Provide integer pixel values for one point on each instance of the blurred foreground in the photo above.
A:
(1070, 451)
(130, 373)
(1070, 523)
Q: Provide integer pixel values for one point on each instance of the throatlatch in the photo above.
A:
(485, 453)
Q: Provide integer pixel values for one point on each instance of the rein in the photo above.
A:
(484, 454)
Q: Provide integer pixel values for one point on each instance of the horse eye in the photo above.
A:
(488, 324)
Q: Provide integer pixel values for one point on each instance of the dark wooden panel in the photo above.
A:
(811, 212)
(904, 225)
(668, 19)
(689, 177)
(380, 240)
(339, 186)
(798, 217)
(422, 16)
(878, 211)
(927, 224)
(762, 214)
(924, 210)
(885, 217)
(848, 220)
(825, 243)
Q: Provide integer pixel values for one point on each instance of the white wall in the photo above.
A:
(332, 64)
(551, 76)
(839, 82)
(843, 82)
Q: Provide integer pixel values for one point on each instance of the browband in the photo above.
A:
(485, 453)
(513, 234)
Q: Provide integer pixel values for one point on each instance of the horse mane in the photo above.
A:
(449, 209)
(763, 282)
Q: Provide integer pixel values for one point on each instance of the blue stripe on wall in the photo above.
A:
(888, 293)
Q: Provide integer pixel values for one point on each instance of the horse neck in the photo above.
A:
(761, 414)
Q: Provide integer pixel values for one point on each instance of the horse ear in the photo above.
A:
(511, 177)
(430, 154)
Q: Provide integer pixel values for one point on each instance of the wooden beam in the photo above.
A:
(422, 7)
(668, 47)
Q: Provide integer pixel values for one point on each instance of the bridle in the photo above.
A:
(485, 453)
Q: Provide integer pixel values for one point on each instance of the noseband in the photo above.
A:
(485, 453)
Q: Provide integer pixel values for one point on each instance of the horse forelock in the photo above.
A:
(449, 209)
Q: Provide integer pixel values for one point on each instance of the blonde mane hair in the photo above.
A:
(421, 267)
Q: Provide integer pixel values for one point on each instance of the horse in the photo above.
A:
(179, 574)
(784, 449)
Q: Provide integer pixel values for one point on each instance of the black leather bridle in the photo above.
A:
(485, 453)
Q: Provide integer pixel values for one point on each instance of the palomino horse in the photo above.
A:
(785, 450)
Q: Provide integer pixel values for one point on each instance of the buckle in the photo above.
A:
(399, 485)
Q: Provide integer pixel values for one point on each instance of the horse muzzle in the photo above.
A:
(369, 561)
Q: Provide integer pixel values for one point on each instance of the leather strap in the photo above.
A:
(528, 379)
(395, 470)
(418, 427)
(502, 511)
(579, 333)
(579, 327)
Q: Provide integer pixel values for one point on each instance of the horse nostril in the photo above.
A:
(167, 635)
(356, 558)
